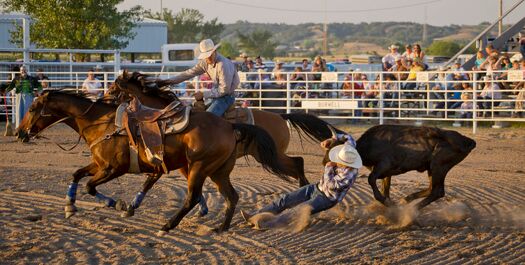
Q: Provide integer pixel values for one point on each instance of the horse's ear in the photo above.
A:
(125, 74)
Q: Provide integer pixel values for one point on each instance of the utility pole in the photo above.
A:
(161, 11)
(325, 32)
(425, 26)
(500, 24)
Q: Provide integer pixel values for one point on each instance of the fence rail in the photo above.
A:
(466, 97)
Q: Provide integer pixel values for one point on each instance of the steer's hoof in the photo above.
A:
(120, 205)
(161, 233)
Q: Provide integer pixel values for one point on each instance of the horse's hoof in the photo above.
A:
(121, 205)
(203, 212)
(161, 233)
(130, 212)
(69, 214)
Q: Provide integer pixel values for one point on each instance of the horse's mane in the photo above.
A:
(78, 94)
(151, 88)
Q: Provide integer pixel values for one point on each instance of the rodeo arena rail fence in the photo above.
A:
(470, 98)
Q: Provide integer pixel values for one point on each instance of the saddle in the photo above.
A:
(234, 113)
(150, 125)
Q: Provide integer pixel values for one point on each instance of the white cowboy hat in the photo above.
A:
(393, 46)
(347, 155)
(206, 48)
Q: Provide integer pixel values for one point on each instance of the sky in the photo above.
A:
(438, 12)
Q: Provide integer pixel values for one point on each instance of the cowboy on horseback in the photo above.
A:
(221, 71)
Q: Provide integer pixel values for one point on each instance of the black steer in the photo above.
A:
(389, 150)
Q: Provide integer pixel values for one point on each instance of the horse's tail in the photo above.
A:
(313, 127)
(265, 148)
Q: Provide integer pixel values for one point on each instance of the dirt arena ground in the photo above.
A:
(481, 219)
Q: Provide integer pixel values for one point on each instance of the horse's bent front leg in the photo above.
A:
(148, 184)
(101, 177)
(89, 170)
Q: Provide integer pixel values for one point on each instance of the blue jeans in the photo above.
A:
(219, 105)
(23, 102)
(309, 195)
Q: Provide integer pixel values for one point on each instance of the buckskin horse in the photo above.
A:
(205, 148)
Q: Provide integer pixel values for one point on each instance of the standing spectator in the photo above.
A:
(43, 79)
(318, 66)
(24, 85)
(92, 86)
(306, 65)
(491, 51)
(371, 91)
(390, 58)
(259, 65)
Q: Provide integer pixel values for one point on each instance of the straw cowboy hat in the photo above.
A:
(206, 48)
(347, 155)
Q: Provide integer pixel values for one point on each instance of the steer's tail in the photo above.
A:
(265, 149)
(313, 127)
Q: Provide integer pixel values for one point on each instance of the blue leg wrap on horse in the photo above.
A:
(109, 202)
(72, 192)
(203, 205)
(138, 200)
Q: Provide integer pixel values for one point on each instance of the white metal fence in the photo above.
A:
(460, 97)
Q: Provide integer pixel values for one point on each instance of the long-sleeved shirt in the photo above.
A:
(25, 85)
(337, 180)
(223, 73)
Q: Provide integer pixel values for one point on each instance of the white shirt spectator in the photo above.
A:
(92, 87)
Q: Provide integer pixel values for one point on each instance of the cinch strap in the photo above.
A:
(72, 192)
(138, 200)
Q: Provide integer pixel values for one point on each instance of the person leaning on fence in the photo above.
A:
(339, 175)
(43, 79)
(26, 88)
(92, 86)
(222, 72)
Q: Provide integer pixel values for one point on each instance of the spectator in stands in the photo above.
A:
(400, 67)
(459, 72)
(353, 90)
(490, 65)
(278, 76)
(371, 91)
(522, 46)
(391, 87)
(318, 66)
(297, 78)
(43, 79)
(442, 84)
(92, 86)
(491, 91)
(466, 105)
(505, 63)
(480, 58)
(491, 51)
(259, 65)
(419, 54)
(26, 88)
(99, 72)
(243, 67)
(408, 52)
(390, 58)
(417, 66)
(306, 65)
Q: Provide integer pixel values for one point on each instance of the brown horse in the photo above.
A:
(152, 96)
(206, 148)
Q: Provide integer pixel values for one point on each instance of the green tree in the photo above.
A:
(257, 43)
(443, 48)
(228, 50)
(70, 24)
(188, 25)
